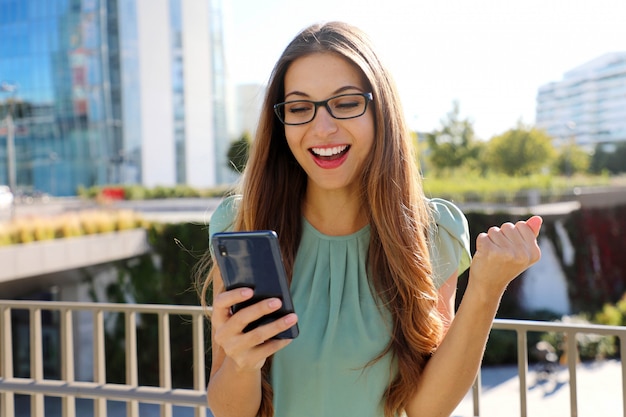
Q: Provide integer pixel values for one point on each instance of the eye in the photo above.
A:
(347, 103)
(299, 107)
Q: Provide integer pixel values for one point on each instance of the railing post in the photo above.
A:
(132, 379)
(68, 403)
(7, 399)
(36, 360)
(99, 358)
(199, 373)
(572, 359)
(622, 349)
(476, 388)
(522, 368)
(165, 359)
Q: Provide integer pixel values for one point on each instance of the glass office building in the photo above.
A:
(588, 106)
(112, 91)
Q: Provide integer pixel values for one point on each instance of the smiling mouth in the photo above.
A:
(330, 154)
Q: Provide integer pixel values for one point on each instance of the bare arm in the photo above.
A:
(446, 300)
(501, 255)
(235, 385)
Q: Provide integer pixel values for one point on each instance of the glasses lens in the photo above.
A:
(296, 112)
(347, 106)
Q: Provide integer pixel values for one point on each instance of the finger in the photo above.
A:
(526, 232)
(265, 333)
(521, 235)
(272, 346)
(238, 344)
(483, 242)
(255, 311)
(535, 223)
(501, 236)
(224, 301)
(255, 357)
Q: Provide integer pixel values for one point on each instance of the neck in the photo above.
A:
(334, 213)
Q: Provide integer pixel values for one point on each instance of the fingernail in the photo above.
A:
(246, 292)
(290, 319)
(274, 302)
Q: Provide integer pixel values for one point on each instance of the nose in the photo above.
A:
(323, 122)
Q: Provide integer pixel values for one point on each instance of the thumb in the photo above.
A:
(535, 223)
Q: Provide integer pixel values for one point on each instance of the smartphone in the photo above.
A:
(253, 259)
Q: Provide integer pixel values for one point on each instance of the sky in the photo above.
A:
(489, 55)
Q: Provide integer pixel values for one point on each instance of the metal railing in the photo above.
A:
(68, 389)
(570, 331)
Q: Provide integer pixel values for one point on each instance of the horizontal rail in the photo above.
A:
(108, 307)
(55, 388)
(549, 326)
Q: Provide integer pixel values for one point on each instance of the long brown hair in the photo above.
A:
(274, 184)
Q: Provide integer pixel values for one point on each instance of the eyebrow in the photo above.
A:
(337, 91)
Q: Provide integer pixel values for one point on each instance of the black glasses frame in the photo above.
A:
(277, 107)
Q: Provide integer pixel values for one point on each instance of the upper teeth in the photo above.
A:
(329, 151)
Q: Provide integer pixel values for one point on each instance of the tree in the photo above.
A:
(519, 151)
(571, 159)
(599, 159)
(454, 144)
(238, 153)
(611, 160)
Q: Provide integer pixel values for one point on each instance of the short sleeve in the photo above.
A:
(223, 217)
(450, 248)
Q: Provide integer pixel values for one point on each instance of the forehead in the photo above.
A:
(320, 74)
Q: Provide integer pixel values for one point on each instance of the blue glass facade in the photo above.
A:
(224, 175)
(78, 106)
(178, 89)
(63, 56)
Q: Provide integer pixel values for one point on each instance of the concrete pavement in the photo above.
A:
(599, 384)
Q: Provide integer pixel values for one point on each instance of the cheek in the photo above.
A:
(367, 133)
(293, 141)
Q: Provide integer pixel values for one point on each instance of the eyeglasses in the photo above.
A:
(343, 106)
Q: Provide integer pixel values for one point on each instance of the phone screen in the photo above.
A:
(253, 259)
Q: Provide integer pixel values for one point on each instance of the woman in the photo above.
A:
(373, 263)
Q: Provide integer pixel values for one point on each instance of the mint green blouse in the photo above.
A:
(325, 371)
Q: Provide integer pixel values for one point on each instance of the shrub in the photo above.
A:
(612, 315)
(26, 230)
(6, 235)
(590, 346)
(43, 229)
(69, 226)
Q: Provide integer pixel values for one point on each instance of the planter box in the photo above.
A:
(39, 258)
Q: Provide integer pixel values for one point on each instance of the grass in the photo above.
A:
(470, 187)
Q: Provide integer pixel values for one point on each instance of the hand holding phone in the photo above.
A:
(253, 259)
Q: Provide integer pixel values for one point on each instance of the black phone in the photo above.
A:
(253, 259)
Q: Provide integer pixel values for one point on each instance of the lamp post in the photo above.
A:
(11, 89)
